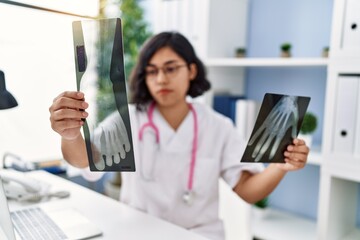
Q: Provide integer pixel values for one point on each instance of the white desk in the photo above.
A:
(115, 219)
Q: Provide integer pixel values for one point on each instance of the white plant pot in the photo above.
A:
(307, 138)
(259, 213)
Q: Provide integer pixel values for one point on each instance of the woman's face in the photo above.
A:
(168, 77)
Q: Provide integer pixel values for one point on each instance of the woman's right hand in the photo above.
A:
(66, 113)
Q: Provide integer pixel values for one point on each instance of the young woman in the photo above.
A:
(179, 164)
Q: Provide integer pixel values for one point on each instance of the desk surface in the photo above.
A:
(115, 219)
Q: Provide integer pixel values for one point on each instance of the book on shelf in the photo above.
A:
(245, 117)
(225, 104)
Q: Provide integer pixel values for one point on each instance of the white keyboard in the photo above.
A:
(34, 223)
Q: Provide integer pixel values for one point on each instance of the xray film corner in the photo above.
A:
(99, 65)
(277, 124)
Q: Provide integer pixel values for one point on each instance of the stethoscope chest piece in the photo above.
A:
(189, 197)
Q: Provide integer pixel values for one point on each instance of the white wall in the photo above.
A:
(36, 55)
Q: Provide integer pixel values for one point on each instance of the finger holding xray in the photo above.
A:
(277, 124)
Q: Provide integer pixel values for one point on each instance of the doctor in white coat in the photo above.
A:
(181, 148)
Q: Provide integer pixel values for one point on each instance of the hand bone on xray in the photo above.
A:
(283, 115)
(111, 141)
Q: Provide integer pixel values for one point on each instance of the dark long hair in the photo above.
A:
(140, 94)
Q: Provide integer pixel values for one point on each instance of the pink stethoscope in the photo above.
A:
(188, 196)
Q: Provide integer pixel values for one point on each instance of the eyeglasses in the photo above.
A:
(169, 71)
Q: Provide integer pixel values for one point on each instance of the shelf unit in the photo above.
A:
(339, 185)
(267, 62)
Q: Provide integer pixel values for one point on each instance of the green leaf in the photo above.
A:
(263, 203)
(309, 123)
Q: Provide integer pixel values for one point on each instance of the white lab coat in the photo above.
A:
(162, 170)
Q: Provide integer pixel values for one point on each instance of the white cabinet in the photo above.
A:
(345, 29)
(351, 26)
(346, 95)
(339, 186)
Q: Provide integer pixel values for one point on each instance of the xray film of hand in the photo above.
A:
(99, 64)
(277, 124)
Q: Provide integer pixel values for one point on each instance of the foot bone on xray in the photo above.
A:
(283, 116)
(111, 140)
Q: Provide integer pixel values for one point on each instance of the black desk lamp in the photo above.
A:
(6, 99)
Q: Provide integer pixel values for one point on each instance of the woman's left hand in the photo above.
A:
(295, 156)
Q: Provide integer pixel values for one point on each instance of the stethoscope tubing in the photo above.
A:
(193, 150)
(151, 124)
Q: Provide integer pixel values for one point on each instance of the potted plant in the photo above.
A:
(285, 50)
(262, 204)
(325, 52)
(308, 127)
(259, 209)
(240, 52)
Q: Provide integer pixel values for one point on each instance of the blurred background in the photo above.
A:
(36, 56)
